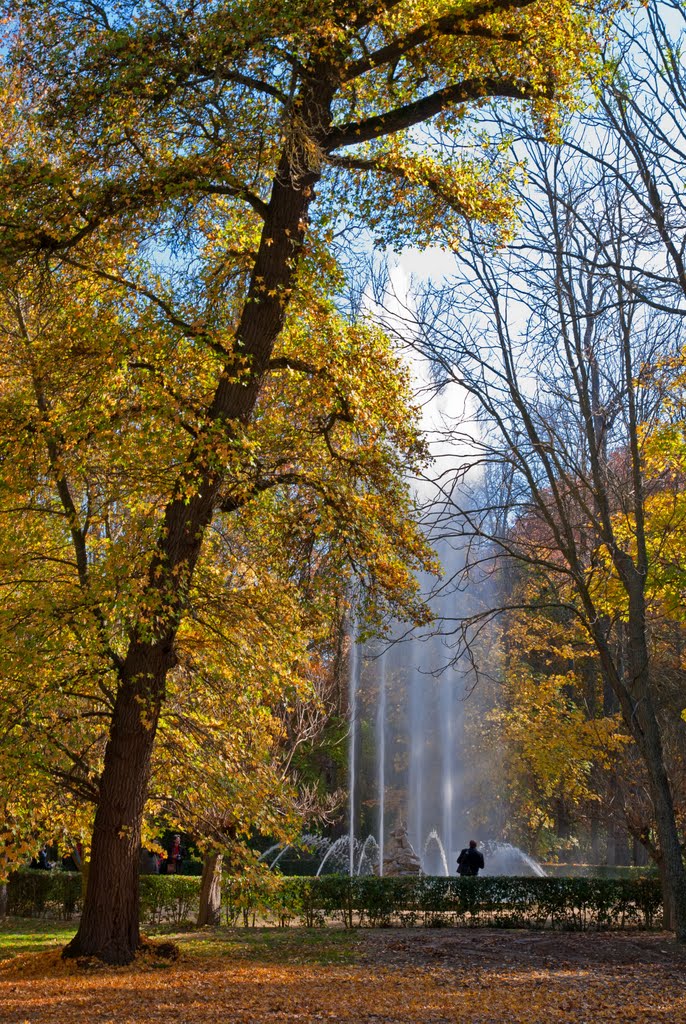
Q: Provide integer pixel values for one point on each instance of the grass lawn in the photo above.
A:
(271, 945)
(32, 935)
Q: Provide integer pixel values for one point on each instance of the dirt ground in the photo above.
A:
(495, 948)
(479, 976)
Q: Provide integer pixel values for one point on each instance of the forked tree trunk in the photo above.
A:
(209, 910)
(642, 687)
(639, 715)
(671, 862)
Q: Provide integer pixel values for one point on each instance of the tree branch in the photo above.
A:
(239, 192)
(299, 365)
(462, 24)
(147, 293)
(356, 132)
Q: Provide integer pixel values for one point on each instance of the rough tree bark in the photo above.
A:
(210, 890)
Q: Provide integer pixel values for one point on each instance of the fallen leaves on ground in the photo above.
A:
(484, 977)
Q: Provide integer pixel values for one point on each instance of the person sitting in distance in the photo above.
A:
(470, 861)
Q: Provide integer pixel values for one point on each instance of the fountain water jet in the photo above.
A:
(506, 859)
(305, 842)
(353, 682)
(415, 781)
(433, 837)
(335, 848)
(278, 857)
(501, 858)
(369, 841)
(381, 759)
(263, 856)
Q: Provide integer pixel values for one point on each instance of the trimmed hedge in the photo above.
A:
(44, 894)
(169, 899)
(266, 897)
(569, 903)
(566, 903)
(34, 893)
(599, 870)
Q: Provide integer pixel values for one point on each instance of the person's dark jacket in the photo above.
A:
(469, 862)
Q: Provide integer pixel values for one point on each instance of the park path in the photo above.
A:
(395, 977)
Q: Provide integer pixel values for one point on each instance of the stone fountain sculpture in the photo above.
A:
(399, 857)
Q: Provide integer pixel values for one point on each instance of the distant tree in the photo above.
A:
(636, 137)
(549, 746)
(552, 342)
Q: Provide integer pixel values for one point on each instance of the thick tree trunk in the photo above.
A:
(641, 687)
(671, 863)
(635, 696)
(109, 927)
(669, 856)
(210, 890)
(85, 867)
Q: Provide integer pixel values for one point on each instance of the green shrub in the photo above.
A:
(168, 899)
(599, 870)
(565, 903)
(35, 893)
(261, 896)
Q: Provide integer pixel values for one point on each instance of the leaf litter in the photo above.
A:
(392, 977)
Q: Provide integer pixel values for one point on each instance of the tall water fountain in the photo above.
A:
(406, 747)
(353, 688)
(406, 701)
(406, 765)
(406, 772)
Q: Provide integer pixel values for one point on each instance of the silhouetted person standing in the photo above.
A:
(470, 861)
